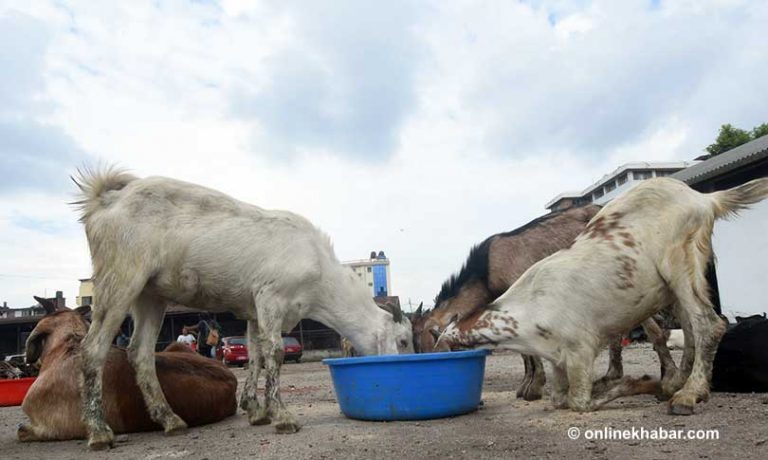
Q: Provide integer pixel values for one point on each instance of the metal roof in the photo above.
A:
(727, 161)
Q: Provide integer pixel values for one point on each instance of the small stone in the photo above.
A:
(121, 438)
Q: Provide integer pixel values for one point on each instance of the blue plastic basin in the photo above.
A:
(409, 387)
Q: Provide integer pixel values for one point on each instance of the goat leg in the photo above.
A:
(605, 392)
(615, 364)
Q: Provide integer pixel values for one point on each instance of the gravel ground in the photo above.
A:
(503, 428)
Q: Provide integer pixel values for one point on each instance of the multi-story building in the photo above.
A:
(374, 272)
(85, 294)
(614, 184)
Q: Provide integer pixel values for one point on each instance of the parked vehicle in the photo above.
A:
(234, 350)
(292, 349)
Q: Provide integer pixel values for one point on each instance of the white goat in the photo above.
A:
(158, 240)
(645, 250)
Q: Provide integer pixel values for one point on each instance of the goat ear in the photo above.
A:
(419, 311)
(49, 306)
(34, 346)
(435, 331)
(84, 310)
(397, 313)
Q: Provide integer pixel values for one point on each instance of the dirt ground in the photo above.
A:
(503, 428)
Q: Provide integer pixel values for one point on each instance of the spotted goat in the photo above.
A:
(645, 250)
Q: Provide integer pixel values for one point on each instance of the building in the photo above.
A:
(614, 184)
(374, 272)
(85, 293)
(33, 310)
(17, 323)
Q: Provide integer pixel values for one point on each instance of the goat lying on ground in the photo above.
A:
(200, 390)
(646, 249)
(158, 240)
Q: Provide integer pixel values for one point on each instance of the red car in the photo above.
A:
(292, 349)
(235, 351)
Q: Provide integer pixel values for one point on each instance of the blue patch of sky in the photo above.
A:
(43, 225)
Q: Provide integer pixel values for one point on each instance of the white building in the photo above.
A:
(374, 272)
(614, 184)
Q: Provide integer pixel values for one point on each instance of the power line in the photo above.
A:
(6, 275)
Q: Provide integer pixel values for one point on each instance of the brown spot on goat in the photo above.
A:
(543, 332)
(626, 273)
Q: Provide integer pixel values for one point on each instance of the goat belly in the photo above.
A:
(123, 402)
(198, 389)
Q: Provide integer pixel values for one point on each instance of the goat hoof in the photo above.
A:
(24, 433)
(287, 427)
(680, 409)
(177, 431)
(260, 420)
(174, 426)
(101, 442)
(532, 396)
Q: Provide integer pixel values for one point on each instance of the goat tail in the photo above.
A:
(729, 202)
(94, 183)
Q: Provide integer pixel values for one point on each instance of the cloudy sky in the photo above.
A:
(417, 128)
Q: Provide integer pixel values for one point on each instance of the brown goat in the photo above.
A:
(199, 389)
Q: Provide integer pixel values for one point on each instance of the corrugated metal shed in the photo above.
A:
(742, 155)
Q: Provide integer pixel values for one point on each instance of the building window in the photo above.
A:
(86, 300)
(642, 175)
(663, 173)
(598, 193)
(609, 187)
(369, 269)
(622, 179)
(370, 283)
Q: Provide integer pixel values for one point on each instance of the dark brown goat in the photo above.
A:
(199, 389)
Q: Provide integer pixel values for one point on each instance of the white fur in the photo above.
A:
(676, 340)
(159, 240)
(645, 250)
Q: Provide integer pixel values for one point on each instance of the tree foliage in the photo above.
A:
(731, 137)
(760, 131)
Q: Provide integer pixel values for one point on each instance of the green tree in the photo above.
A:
(760, 131)
(729, 138)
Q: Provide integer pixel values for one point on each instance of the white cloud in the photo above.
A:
(417, 128)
